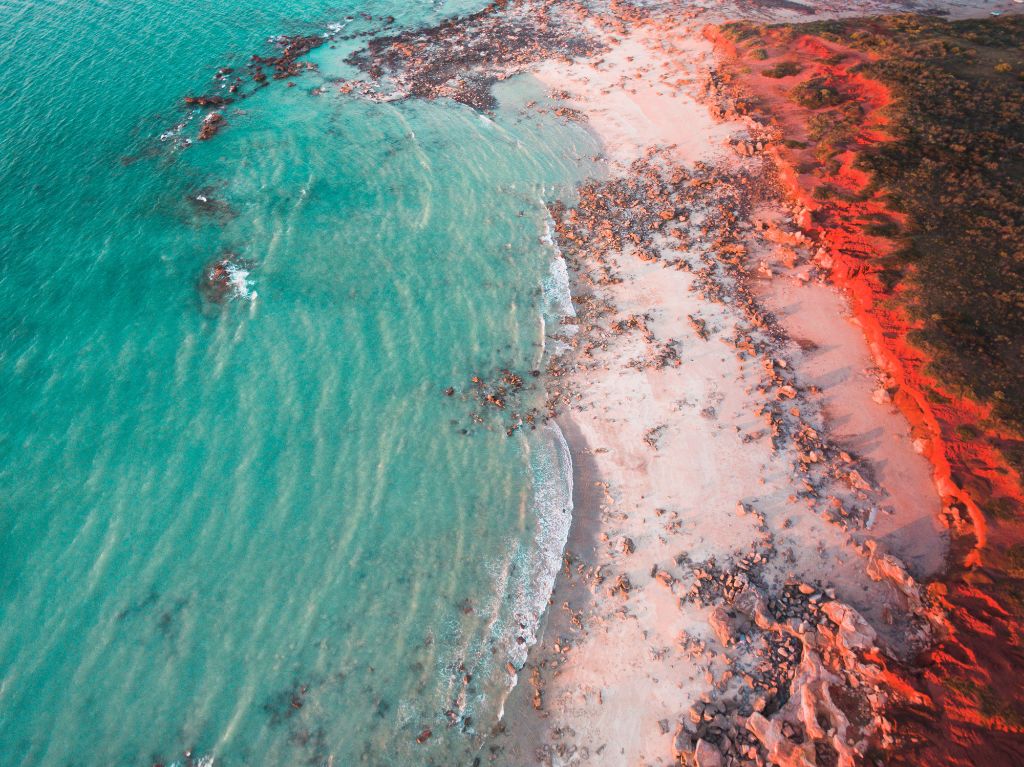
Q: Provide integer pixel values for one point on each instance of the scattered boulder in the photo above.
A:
(781, 750)
(707, 755)
(226, 277)
(721, 625)
(211, 124)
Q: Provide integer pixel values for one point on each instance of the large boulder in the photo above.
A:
(707, 755)
(781, 750)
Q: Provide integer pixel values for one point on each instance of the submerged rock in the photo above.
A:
(212, 123)
(207, 101)
(225, 278)
(204, 201)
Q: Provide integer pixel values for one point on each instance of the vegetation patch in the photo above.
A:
(882, 226)
(784, 69)
(834, 129)
(956, 170)
(740, 31)
(818, 93)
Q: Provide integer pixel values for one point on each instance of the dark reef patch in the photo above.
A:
(461, 58)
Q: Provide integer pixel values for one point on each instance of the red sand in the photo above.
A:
(973, 676)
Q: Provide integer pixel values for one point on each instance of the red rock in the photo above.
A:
(207, 101)
(707, 755)
(212, 123)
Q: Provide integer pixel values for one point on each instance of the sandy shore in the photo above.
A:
(753, 516)
(675, 476)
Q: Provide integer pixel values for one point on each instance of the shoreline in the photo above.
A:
(623, 665)
(741, 585)
(746, 491)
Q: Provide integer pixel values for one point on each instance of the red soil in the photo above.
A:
(973, 678)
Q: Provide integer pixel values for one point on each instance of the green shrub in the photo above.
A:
(1004, 508)
(955, 169)
(818, 93)
(968, 432)
(887, 228)
(784, 69)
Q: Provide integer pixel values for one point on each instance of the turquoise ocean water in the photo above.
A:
(256, 531)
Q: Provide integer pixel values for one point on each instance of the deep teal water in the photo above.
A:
(256, 530)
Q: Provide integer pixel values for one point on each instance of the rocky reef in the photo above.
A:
(226, 277)
(461, 58)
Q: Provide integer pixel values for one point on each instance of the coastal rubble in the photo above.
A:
(287, 63)
(802, 675)
(463, 57)
(792, 672)
(211, 125)
(857, 234)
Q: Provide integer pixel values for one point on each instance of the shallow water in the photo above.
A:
(257, 529)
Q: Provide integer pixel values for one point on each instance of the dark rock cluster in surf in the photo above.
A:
(461, 58)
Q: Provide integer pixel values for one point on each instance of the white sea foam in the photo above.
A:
(534, 564)
(174, 132)
(555, 287)
(557, 295)
(202, 761)
(523, 578)
(538, 561)
(241, 285)
(551, 466)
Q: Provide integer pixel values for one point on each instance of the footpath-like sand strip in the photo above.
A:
(676, 479)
